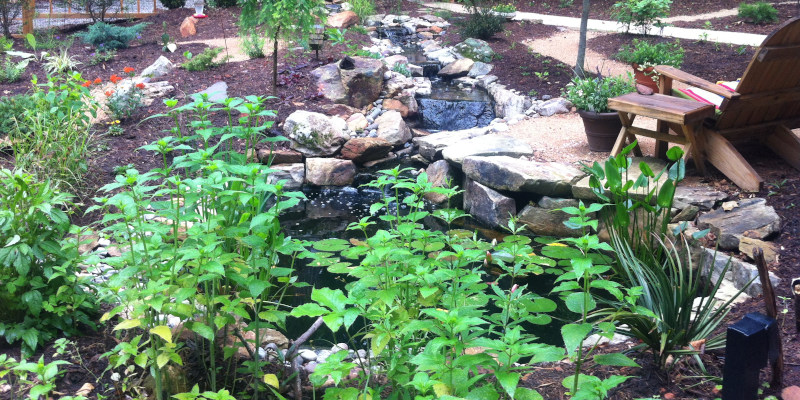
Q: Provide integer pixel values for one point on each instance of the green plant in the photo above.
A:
(703, 37)
(533, 93)
(12, 71)
(102, 56)
(123, 101)
(363, 8)
(43, 40)
(6, 43)
(42, 294)
(212, 256)
(53, 138)
(422, 296)
(741, 50)
(566, 3)
(253, 44)
(360, 29)
(203, 61)
(111, 37)
(647, 54)
(165, 39)
(759, 12)
(45, 377)
(708, 26)
(504, 8)
(592, 94)
(60, 62)
(173, 4)
(542, 75)
(481, 24)
(222, 3)
(641, 13)
(12, 109)
(401, 69)
(336, 36)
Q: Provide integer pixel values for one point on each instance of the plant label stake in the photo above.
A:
(750, 342)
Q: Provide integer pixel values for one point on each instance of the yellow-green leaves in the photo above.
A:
(163, 332)
(128, 324)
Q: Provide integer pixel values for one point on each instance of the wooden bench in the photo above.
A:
(685, 117)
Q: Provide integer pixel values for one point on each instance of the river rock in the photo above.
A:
(703, 197)
(456, 68)
(329, 83)
(443, 56)
(362, 79)
(395, 60)
(489, 145)
(739, 272)
(518, 175)
(410, 102)
(748, 245)
(507, 103)
(343, 20)
(440, 174)
(431, 146)
(546, 219)
(293, 174)
(475, 49)
(479, 69)
(280, 156)
(307, 355)
(313, 134)
(396, 105)
(751, 215)
(392, 128)
(365, 149)
(161, 67)
(397, 83)
(487, 205)
(330, 172)
(357, 122)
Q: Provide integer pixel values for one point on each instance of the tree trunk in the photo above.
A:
(581, 61)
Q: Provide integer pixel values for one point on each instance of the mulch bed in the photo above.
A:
(737, 24)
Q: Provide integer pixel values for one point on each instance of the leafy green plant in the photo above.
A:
(41, 294)
(6, 43)
(504, 8)
(43, 39)
(60, 62)
(45, 374)
(401, 69)
(102, 56)
(12, 109)
(111, 37)
(12, 71)
(647, 54)
(566, 3)
(592, 94)
(363, 8)
(203, 61)
(173, 4)
(482, 23)
(53, 138)
(759, 12)
(253, 44)
(641, 13)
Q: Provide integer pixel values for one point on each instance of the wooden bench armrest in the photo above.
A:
(689, 79)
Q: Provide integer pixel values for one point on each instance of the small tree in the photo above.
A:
(581, 61)
(280, 19)
(9, 10)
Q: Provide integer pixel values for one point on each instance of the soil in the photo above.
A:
(737, 24)
(517, 69)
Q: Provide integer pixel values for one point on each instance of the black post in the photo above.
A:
(749, 345)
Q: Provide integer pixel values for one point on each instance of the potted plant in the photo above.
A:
(590, 96)
(507, 11)
(643, 56)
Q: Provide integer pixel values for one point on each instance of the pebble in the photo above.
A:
(362, 354)
(371, 127)
(308, 355)
(546, 97)
(262, 354)
(323, 355)
(103, 242)
(373, 133)
(338, 347)
(310, 367)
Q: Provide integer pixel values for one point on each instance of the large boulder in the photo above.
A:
(703, 197)
(487, 205)
(343, 20)
(489, 145)
(546, 219)
(330, 172)
(517, 175)
(396, 105)
(313, 134)
(293, 175)
(752, 215)
(475, 49)
(329, 83)
(397, 83)
(409, 101)
(440, 174)
(362, 79)
(188, 26)
(431, 146)
(392, 128)
(456, 69)
(363, 149)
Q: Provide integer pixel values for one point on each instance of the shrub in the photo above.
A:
(592, 94)
(647, 54)
(173, 4)
(12, 109)
(641, 13)
(363, 8)
(204, 60)
(111, 37)
(253, 45)
(41, 293)
(759, 12)
(481, 24)
(59, 62)
(9, 11)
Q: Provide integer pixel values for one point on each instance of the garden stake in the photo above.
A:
(776, 364)
(796, 292)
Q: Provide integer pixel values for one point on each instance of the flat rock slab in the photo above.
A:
(489, 145)
(581, 190)
(518, 175)
(750, 215)
(487, 205)
(431, 146)
(703, 197)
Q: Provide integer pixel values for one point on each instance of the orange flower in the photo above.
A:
(127, 70)
(109, 93)
(115, 78)
(86, 84)
(140, 85)
(98, 81)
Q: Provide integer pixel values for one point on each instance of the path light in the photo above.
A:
(198, 9)
(316, 39)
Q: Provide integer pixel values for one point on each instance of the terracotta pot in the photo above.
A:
(645, 77)
(601, 129)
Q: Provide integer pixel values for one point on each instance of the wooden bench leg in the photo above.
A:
(785, 144)
(695, 148)
(721, 154)
(622, 138)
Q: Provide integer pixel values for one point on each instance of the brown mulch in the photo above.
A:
(737, 24)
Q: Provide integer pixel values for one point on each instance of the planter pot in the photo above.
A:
(601, 129)
(645, 77)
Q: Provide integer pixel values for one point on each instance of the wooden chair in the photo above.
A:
(765, 107)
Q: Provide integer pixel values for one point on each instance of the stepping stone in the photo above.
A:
(431, 146)
(217, 92)
(581, 190)
(517, 175)
(489, 145)
(750, 215)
